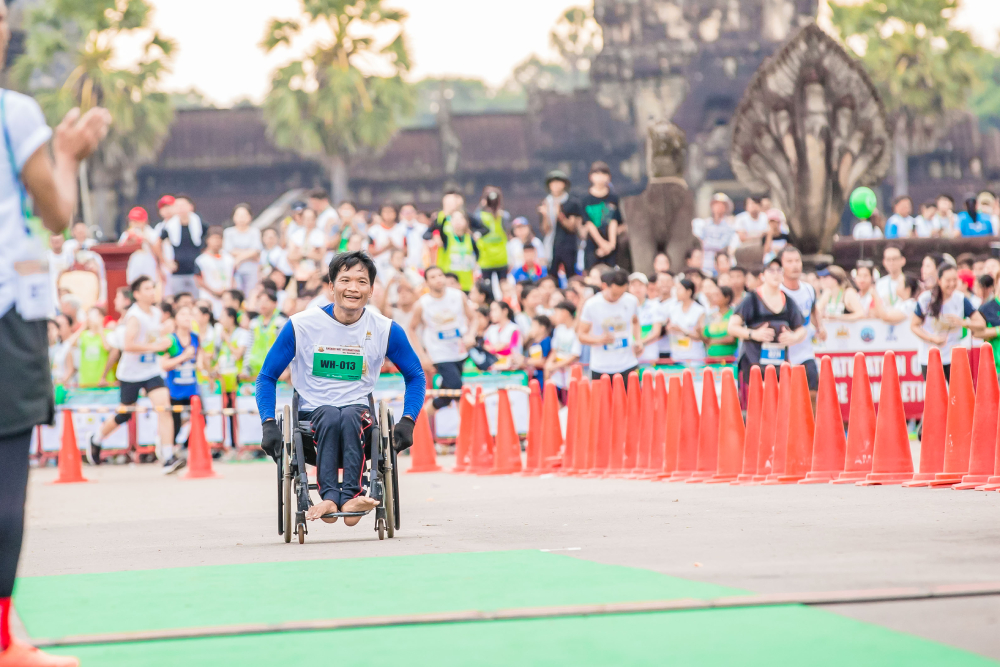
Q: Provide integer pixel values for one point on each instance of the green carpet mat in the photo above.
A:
(763, 637)
(271, 592)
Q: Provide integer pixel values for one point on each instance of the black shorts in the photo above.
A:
(451, 378)
(501, 272)
(594, 375)
(812, 374)
(130, 390)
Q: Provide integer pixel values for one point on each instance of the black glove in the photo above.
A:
(271, 442)
(403, 435)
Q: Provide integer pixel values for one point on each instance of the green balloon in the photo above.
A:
(863, 203)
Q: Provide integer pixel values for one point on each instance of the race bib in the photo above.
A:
(186, 374)
(34, 294)
(147, 358)
(535, 352)
(684, 343)
(619, 344)
(772, 353)
(450, 334)
(338, 362)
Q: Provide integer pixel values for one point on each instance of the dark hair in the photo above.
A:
(615, 277)
(347, 202)
(948, 197)
(689, 253)
(901, 198)
(269, 285)
(600, 166)
(386, 205)
(270, 294)
(452, 191)
(892, 246)
(182, 294)
(484, 311)
(484, 287)
(318, 193)
(530, 247)
(526, 290)
(865, 264)
(348, 260)
(207, 311)
(986, 281)
(965, 258)
(237, 295)
(69, 319)
(545, 322)
(506, 308)
(214, 230)
(911, 283)
(568, 307)
(433, 267)
(937, 295)
(167, 308)
(185, 197)
(453, 276)
(788, 249)
(687, 284)
(231, 312)
(727, 293)
(245, 206)
(738, 267)
(548, 277)
(137, 284)
(929, 204)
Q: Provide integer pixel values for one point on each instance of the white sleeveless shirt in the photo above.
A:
(444, 325)
(337, 364)
(141, 366)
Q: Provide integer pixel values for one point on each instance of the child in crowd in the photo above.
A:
(539, 345)
(522, 237)
(180, 361)
(565, 347)
(94, 367)
(531, 269)
(213, 270)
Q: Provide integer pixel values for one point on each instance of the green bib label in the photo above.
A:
(344, 363)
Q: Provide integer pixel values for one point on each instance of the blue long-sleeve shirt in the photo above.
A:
(399, 352)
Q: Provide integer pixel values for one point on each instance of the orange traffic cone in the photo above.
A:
(687, 444)
(961, 409)
(672, 439)
(780, 447)
(552, 436)
(708, 431)
(993, 483)
(466, 422)
(984, 423)
(829, 443)
(533, 455)
(482, 441)
(576, 372)
(891, 459)
(572, 418)
(422, 457)
(934, 423)
(594, 420)
(583, 403)
(658, 441)
(768, 424)
(860, 427)
(751, 442)
(507, 455)
(801, 431)
(646, 407)
(731, 433)
(618, 426)
(70, 466)
(199, 455)
(633, 412)
(602, 437)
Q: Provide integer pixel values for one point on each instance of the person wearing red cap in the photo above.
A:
(145, 261)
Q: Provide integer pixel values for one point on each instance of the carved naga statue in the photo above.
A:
(810, 128)
(659, 219)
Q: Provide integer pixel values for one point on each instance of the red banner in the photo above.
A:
(911, 382)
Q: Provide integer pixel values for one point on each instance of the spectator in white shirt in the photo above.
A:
(751, 223)
(243, 243)
(308, 240)
(945, 220)
(717, 232)
(414, 235)
(868, 229)
(386, 235)
(924, 225)
(326, 217)
(213, 271)
(522, 236)
(900, 223)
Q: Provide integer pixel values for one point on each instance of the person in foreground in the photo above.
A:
(38, 179)
(336, 354)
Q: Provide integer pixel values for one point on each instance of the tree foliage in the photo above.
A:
(346, 93)
(918, 60)
(577, 38)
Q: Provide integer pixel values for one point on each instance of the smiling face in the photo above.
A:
(948, 282)
(352, 288)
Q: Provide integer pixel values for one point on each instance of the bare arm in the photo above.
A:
(583, 333)
(132, 332)
(52, 183)
(916, 326)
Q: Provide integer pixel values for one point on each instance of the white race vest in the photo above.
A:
(141, 366)
(444, 325)
(337, 364)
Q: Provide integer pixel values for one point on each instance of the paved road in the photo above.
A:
(762, 539)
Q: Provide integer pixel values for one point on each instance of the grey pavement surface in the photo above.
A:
(762, 539)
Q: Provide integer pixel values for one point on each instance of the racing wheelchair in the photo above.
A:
(379, 478)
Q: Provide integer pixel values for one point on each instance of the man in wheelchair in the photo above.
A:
(336, 355)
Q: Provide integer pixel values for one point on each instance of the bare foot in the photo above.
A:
(360, 504)
(351, 520)
(317, 511)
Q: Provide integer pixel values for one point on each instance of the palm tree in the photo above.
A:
(922, 66)
(71, 60)
(346, 93)
(578, 38)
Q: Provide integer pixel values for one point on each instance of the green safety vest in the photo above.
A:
(93, 359)
(492, 245)
(263, 339)
(458, 258)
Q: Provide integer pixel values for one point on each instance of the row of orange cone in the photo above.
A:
(653, 430)
(199, 464)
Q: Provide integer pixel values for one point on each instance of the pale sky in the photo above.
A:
(218, 52)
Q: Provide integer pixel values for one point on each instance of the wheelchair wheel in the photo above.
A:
(388, 469)
(286, 475)
(302, 533)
